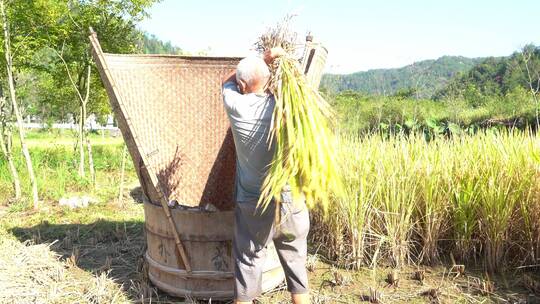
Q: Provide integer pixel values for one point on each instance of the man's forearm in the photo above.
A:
(273, 53)
(229, 77)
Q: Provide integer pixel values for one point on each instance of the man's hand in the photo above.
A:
(273, 53)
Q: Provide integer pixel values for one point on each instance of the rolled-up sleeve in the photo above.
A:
(231, 95)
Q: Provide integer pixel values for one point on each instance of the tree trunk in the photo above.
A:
(91, 162)
(15, 105)
(6, 150)
(82, 116)
(526, 57)
(84, 103)
(82, 107)
(81, 141)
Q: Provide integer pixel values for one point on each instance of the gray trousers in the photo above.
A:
(255, 230)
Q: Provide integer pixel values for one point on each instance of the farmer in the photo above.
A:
(249, 107)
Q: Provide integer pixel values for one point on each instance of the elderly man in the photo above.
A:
(250, 107)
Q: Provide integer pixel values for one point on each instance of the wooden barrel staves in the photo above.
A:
(209, 235)
(170, 112)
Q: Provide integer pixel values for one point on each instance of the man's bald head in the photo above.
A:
(252, 74)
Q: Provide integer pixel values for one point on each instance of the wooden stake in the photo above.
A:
(122, 172)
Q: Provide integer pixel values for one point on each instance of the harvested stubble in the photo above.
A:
(33, 274)
(409, 201)
(305, 144)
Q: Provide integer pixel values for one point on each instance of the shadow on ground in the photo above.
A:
(104, 245)
(117, 247)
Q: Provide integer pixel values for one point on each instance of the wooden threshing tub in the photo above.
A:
(169, 110)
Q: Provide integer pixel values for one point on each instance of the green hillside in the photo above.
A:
(423, 77)
(150, 44)
(497, 76)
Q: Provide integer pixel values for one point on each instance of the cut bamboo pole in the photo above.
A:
(122, 173)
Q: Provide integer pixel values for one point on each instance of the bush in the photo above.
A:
(360, 114)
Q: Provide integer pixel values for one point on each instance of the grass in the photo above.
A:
(94, 255)
(90, 255)
(56, 165)
(407, 199)
(362, 114)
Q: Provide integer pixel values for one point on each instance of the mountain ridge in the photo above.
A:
(424, 77)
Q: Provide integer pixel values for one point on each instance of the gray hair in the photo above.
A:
(252, 69)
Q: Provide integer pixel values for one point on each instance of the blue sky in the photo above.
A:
(359, 35)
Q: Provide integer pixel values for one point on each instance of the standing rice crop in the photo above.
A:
(409, 200)
(394, 203)
(433, 177)
(464, 196)
(529, 206)
(505, 184)
(355, 205)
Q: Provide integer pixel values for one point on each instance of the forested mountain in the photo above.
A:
(150, 44)
(497, 76)
(423, 78)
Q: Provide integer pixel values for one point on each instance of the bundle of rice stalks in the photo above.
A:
(304, 156)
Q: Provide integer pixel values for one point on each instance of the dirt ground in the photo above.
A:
(109, 238)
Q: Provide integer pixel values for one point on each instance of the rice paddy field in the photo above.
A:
(444, 220)
(474, 199)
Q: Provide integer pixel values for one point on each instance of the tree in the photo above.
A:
(530, 56)
(150, 44)
(497, 76)
(5, 145)
(45, 41)
(115, 22)
(407, 93)
(15, 105)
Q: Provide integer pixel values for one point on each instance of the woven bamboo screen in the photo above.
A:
(170, 112)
